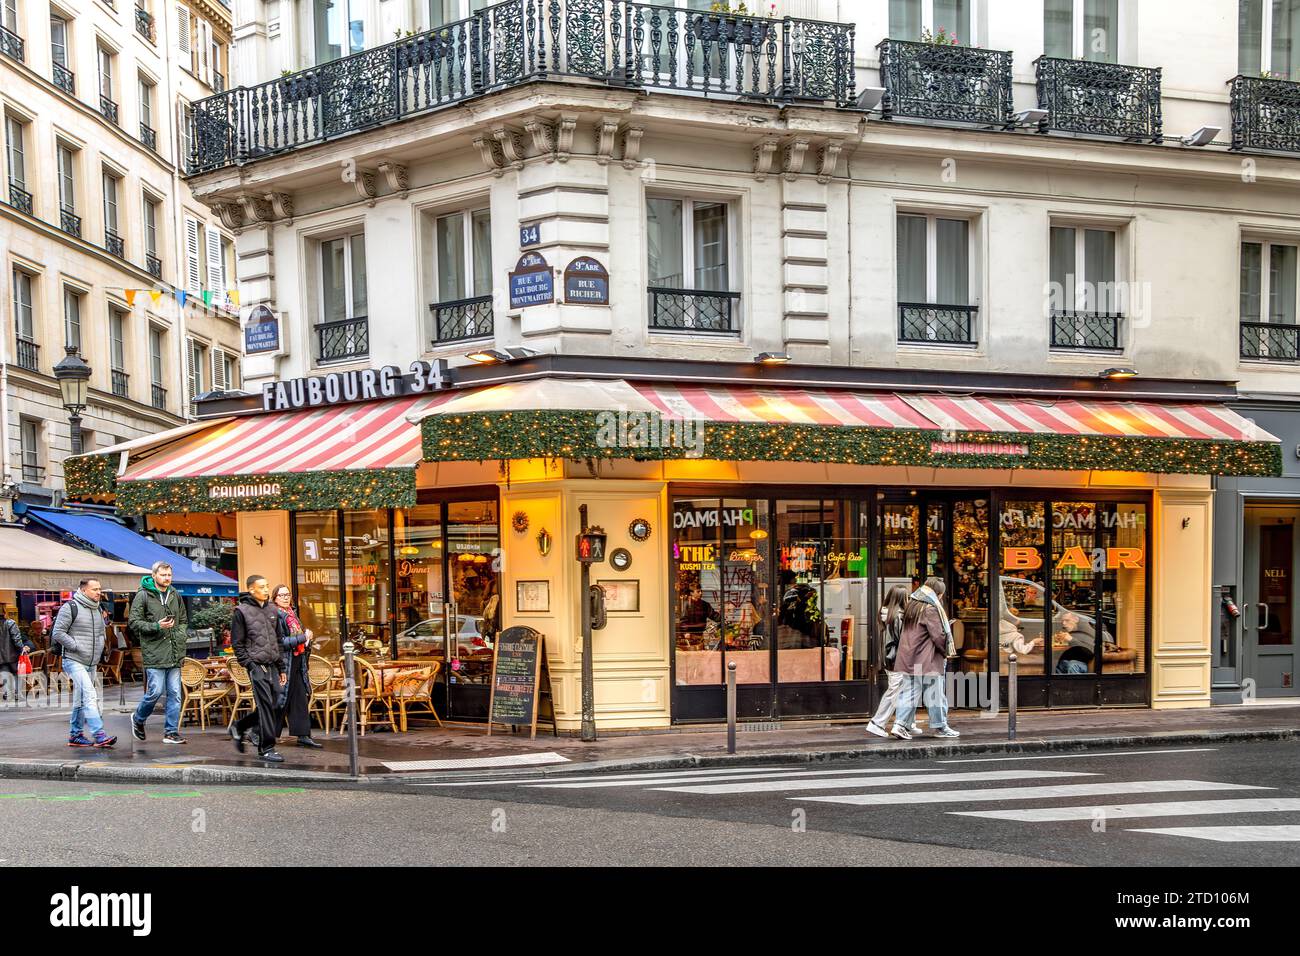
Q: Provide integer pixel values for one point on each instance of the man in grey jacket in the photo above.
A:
(79, 630)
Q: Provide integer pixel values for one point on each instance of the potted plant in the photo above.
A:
(215, 618)
(722, 24)
(939, 55)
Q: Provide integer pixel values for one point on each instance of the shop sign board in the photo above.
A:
(520, 679)
(532, 282)
(355, 385)
(1079, 559)
(261, 331)
(586, 282)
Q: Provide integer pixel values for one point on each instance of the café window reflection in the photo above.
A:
(697, 615)
(316, 577)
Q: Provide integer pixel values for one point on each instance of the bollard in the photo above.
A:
(731, 707)
(350, 695)
(1011, 697)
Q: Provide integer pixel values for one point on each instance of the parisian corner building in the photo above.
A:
(803, 302)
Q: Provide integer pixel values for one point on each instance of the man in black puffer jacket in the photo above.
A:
(256, 641)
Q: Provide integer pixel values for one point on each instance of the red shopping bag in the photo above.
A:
(24, 664)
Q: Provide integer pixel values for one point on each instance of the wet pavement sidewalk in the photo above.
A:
(34, 739)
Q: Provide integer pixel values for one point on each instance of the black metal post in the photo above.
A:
(350, 695)
(74, 420)
(1011, 696)
(588, 675)
(731, 707)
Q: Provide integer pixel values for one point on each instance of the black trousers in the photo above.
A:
(266, 691)
(295, 714)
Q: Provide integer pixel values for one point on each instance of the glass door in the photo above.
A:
(1269, 591)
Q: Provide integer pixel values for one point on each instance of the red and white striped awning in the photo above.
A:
(735, 403)
(338, 438)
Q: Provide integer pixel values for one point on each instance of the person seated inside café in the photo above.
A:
(696, 615)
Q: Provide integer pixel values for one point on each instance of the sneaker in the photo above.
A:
(946, 732)
(137, 729)
(79, 740)
(174, 739)
(875, 728)
(900, 732)
(104, 740)
(916, 730)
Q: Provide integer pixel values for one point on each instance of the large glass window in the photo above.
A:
(474, 581)
(461, 275)
(59, 40)
(1083, 270)
(67, 174)
(968, 600)
(1268, 32)
(340, 28)
(17, 153)
(316, 570)
(110, 205)
(365, 577)
(1269, 294)
(698, 603)
(419, 600)
(72, 318)
(1081, 29)
(908, 19)
(343, 278)
(933, 260)
(745, 593)
(1022, 586)
(689, 244)
(24, 322)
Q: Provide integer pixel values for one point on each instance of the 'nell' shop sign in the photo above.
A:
(355, 385)
(532, 282)
(586, 282)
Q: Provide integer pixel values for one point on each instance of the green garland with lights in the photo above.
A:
(298, 491)
(90, 476)
(486, 436)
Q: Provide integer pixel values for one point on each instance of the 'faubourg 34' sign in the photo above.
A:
(355, 385)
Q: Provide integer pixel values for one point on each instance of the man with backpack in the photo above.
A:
(158, 620)
(79, 633)
(12, 646)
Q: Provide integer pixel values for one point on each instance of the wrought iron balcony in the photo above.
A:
(20, 198)
(28, 354)
(148, 136)
(34, 474)
(65, 80)
(694, 310)
(108, 108)
(1087, 331)
(348, 339)
(114, 244)
(11, 44)
(955, 83)
(144, 24)
(153, 265)
(158, 396)
(1105, 99)
(616, 43)
(931, 324)
(1265, 114)
(462, 319)
(121, 383)
(1270, 341)
(69, 222)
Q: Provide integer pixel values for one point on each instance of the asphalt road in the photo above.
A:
(1231, 805)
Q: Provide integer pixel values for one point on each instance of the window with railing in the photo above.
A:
(1268, 308)
(934, 280)
(30, 449)
(113, 241)
(1084, 297)
(342, 332)
(117, 351)
(145, 94)
(11, 44)
(1081, 30)
(689, 250)
(462, 260)
(59, 55)
(69, 221)
(107, 100)
(196, 359)
(72, 317)
(157, 393)
(16, 150)
(144, 22)
(24, 298)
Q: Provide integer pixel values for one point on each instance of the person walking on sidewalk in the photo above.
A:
(79, 631)
(891, 620)
(925, 645)
(12, 646)
(158, 620)
(295, 692)
(254, 635)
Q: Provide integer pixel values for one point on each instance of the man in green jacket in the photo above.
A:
(158, 621)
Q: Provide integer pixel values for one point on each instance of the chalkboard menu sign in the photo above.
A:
(520, 680)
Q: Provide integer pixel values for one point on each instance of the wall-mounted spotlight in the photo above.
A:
(869, 98)
(771, 358)
(1117, 374)
(1202, 137)
(1030, 117)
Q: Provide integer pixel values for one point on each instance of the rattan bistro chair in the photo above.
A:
(197, 694)
(244, 700)
(415, 689)
(371, 694)
(327, 693)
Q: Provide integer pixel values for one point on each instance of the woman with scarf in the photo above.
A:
(925, 645)
(891, 622)
(295, 692)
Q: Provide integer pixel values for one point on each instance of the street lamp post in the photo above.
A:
(73, 375)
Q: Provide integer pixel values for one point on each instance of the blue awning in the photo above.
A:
(114, 540)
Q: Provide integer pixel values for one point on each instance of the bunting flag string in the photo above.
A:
(228, 298)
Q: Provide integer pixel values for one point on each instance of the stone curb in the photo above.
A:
(210, 774)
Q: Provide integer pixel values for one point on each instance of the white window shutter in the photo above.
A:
(203, 49)
(193, 278)
(216, 267)
(219, 382)
(183, 29)
(190, 384)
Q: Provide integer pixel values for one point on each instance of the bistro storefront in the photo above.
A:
(753, 516)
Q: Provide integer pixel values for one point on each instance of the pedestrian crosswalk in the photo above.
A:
(1030, 795)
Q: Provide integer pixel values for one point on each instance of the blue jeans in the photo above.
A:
(85, 702)
(929, 687)
(156, 678)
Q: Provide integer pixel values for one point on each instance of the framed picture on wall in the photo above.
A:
(621, 595)
(532, 596)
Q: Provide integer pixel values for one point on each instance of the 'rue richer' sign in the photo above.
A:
(355, 385)
(586, 282)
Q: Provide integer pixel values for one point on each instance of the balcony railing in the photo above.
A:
(33, 474)
(615, 43)
(218, 82)
(11, 44)
(937, 324)
(108, 108)
(348, 339)
(69, 222)
(65, 80)
(1272, 341)
(149, 136)
(20, 198)
(121, 383)
(1265, 114)
(694, 310)
(114, 244)
(153, 265)
(1088, 331)
(28, 355)
(462, 319)
(1104, 99)
(158, 396)
(954, 83)
(144, 24)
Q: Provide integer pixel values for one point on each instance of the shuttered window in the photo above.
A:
(193, 263)
(183, 33)
(195, 358)
(216, 266)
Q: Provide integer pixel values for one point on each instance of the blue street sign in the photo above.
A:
(586, 282)
(529, 235)
(262, 333)
(532, 282)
